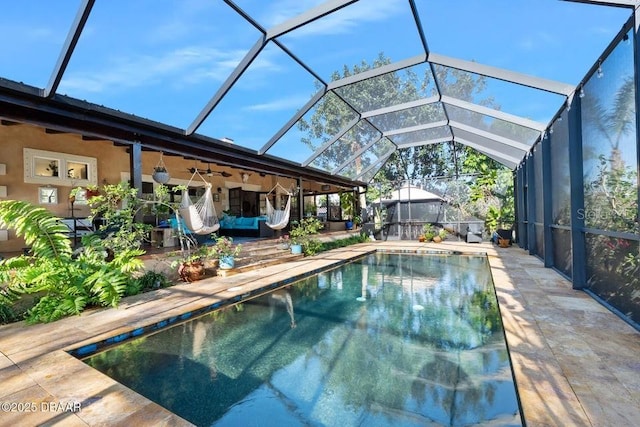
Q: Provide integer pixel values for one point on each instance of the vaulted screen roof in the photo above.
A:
(185, 75)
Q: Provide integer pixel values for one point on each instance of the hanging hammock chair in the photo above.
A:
(277, 219)
(200, 217)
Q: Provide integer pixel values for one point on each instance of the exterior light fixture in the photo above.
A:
(599, 73)
(581, 94)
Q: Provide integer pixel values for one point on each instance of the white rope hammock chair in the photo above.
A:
(200, 217)
(277, 219)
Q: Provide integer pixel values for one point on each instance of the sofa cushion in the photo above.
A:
(228, 221)
(246, 222)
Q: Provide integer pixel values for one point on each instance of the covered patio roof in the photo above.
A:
(83, 83)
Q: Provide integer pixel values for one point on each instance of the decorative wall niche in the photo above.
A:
(62, 169)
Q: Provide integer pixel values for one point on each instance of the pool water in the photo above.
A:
(388, 340)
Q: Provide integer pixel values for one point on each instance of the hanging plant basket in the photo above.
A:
(160, 173)
(161, 177)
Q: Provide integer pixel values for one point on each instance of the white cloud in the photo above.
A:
(280, 104)
(186, 66)
(341, 21)
(283, 10)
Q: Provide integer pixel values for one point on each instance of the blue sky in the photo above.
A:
(164, 59)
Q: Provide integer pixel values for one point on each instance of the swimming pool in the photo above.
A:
(390, 339)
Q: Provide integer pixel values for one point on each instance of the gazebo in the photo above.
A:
(408, 208)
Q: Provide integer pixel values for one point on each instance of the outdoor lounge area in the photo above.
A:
(183, 170)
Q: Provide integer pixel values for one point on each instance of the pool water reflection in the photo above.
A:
(390, 339)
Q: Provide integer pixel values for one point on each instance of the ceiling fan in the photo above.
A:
(210, 172)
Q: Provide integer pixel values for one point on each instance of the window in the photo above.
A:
(49, 167)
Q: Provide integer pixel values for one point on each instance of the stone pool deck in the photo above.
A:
(575, 363)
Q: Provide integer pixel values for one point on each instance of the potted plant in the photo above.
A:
(92, 191)
(309, 210)
(301, 233)
(226, 252)
(428, 232)
(73, 194)
(348, 224)
(191, 268)
(439, 237)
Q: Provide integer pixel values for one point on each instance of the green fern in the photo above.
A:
(69, 282)
(41, 230)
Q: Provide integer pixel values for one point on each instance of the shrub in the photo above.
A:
(149, 281)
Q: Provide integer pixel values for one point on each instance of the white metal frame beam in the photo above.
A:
(416, 128)
(496, 114)
(400, 107)
(502, 74)
(425, 142)
(501, 157)
(611, 3)
(310, 15)
(375, 72)
(483, 133)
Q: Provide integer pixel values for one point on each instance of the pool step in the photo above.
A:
(266, 252)
(259, 254)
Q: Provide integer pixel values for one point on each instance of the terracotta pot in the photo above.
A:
(503, 243)
(191, 271)
(436, 239)
(421, 239)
